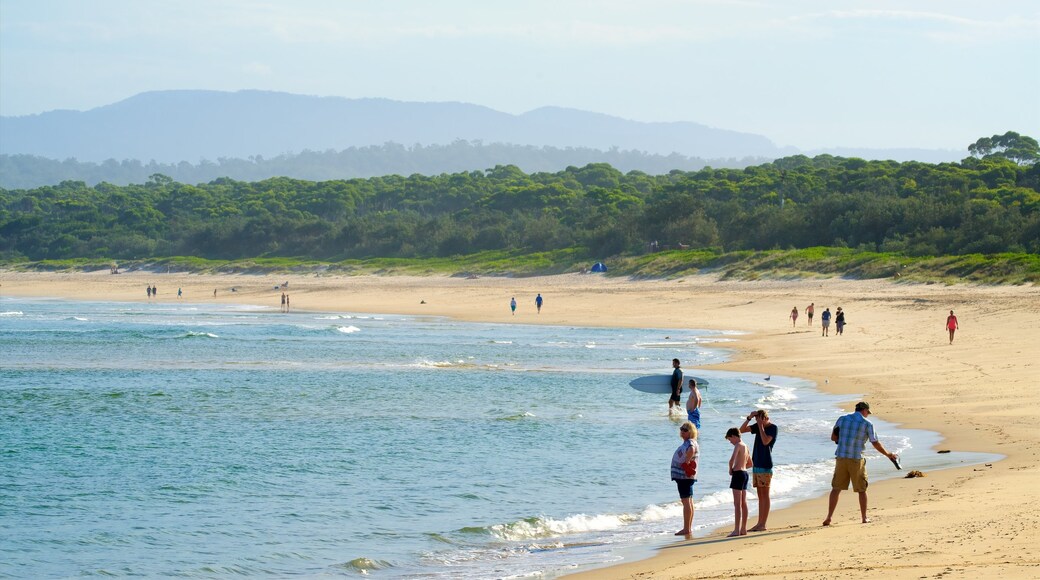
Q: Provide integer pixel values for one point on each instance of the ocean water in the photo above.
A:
(176, 439)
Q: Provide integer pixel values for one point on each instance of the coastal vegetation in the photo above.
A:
(977, 220)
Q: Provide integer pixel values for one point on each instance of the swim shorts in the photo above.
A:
(685, 487)
(739, 480)
(761, 477)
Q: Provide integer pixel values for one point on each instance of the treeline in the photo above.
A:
(28, 171)
(981, 205)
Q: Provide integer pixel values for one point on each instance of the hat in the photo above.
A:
(862, 406)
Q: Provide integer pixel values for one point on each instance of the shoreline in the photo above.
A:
(979, 394)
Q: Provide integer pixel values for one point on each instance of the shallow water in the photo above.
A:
(209, 441)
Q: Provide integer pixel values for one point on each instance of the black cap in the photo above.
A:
(862, 406)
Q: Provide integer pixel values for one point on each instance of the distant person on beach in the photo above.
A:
(693, 404)
(951, 325)
(287, 303)
(178, 293)
(283, 301)
(684, 473)
(765, 434)
(674, 399)
(825, 321)
(214, 292)
(512, 305)
(155, 291)
(851, 433)
(794, 316)
(149, 291)
(809, 310)
(538, 302)
(739, 463)
(839, 321)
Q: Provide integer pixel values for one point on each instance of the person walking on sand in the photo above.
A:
(739, 463)
(149, 290)
(512, 305)
(178, 293)
(851, 433)
(809, 310)
(684, 473)
(283, 301)
(693, 404)
(951, 325)
(287, 303)
(538, 302)
(794, 316)
(825, 322)
(675, 398)
(839, 321)
(762, 461)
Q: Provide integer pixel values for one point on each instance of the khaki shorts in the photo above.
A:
(850, 471)
(761, 479)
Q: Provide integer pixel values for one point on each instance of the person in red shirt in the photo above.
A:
(951, 325)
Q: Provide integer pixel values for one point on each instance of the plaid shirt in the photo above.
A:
(853, 432)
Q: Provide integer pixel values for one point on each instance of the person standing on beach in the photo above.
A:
(739, 462)
(809, 310)
(693, 404)
(684, 473)
(538, 303)
(287, 303)
(794, 316)
(149, 291)
(839, 321)
(512, 305)
(283, 301)
(825, 321)
(851, 433)
(178, 293)
(762, 461)
(677, 375)
(951, 325)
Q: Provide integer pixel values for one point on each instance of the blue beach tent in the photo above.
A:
(599, 267)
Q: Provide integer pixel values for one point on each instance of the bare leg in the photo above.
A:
(832, 502)
(863, 506)
(763, 509)
(687, 516)
(951, 336)
(736, 514)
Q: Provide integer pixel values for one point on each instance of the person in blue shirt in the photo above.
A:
(538, 302)
(851, 433)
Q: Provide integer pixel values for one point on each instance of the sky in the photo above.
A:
(934, 74)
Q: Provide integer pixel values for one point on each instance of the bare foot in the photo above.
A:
(682, 533)
(827, 522)
(866, 520)
(734, 534)
(757, 529)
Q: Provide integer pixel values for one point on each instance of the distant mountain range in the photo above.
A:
(173, 127)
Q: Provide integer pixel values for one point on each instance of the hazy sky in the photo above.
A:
(808, 73)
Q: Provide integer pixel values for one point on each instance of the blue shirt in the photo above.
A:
(853, 432)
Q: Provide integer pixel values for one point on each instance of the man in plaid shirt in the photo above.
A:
(851, 433)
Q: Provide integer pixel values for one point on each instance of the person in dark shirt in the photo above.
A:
(762, 461)
(675, 400)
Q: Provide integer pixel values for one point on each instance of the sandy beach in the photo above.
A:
(980, 393)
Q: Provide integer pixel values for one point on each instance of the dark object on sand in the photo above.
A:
(914, 474)
(943, 451)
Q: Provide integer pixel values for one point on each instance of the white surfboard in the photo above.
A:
(663, 383)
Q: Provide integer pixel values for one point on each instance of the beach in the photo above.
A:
(979, 393)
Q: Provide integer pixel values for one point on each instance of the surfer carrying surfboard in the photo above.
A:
(677, 377)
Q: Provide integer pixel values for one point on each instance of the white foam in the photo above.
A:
(348, 329)
(12, 313)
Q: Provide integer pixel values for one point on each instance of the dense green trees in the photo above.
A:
(985, 204)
